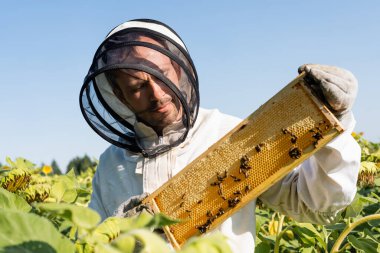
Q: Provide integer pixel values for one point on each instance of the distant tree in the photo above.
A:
(56, 169)
(80, 164)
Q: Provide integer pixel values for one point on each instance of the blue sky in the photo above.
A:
(244, 51)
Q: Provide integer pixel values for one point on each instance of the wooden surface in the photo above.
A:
(257, 153)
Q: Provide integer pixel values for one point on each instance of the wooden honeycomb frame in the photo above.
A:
(257, 153)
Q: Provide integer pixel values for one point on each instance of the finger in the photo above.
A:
(329, 79)
(337, 99)
(333, 70)
(302, 68)
(144, 195)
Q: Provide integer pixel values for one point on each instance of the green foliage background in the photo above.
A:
(42, 210)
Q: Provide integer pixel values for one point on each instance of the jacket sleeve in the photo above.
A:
(318, 189)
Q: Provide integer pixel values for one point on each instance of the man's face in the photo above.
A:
(148, 97)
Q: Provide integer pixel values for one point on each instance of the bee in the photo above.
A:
(181, 205)
(242, 127)
(220, 192)
(284, 130)
(220, 177)
(220, 212)
(238, 193)
(317, 136)
(247, 188)
(244, 161)
(235, 178)
(217, 183)
(183, 196)
(200, 201)
(258, 148)
(233, 202)
(295, 153)
(188, 211)
(202, 228)
(209, 213)
(293, 139)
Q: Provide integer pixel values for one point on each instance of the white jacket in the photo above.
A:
(314, 192)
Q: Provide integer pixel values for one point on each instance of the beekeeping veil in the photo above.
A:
(112, 119)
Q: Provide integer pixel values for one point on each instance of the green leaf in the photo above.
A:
(141, 221)
(11, 201)
(24, 164)
(260, 221)
(377, 181)
(10, 162)
(104, 248)
(159, 220)
(27, 232)
(65, 189)
(150, 242)
(126, 243)
(374, 223)
(310, 230)
(356, 206)
(366, 245)
(368, 200)
(215, 242)
(262, 247)
(269, 239)
(308, 234)
(368, 233)
(82, 217)
(307, 250)
(108, 230)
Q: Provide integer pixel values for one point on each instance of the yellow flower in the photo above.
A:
(273, 227)
(6, 167)
(47, 169)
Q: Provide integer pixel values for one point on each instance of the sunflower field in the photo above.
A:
(44, 212)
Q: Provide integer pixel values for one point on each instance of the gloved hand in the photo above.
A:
(336, 86)
(132, 207)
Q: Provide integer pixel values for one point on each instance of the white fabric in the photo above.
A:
(151, 26)
(314, 192)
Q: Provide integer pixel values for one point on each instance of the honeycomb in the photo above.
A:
(262, 149)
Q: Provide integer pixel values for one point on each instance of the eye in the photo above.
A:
(138, 87)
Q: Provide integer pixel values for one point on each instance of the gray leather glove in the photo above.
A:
(132, 207)
(337, 87)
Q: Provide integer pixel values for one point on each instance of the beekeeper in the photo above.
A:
(141, 94)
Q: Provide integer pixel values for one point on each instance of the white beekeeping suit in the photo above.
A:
(140, 160)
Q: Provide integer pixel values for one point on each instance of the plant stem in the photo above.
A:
(349, 228)
(279, 234)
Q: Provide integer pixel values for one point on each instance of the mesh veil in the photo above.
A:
(140, 46)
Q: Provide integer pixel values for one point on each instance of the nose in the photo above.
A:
(157, 90)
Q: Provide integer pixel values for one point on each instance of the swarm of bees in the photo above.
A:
(317, 132)
(204, 227)
(237, 195)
